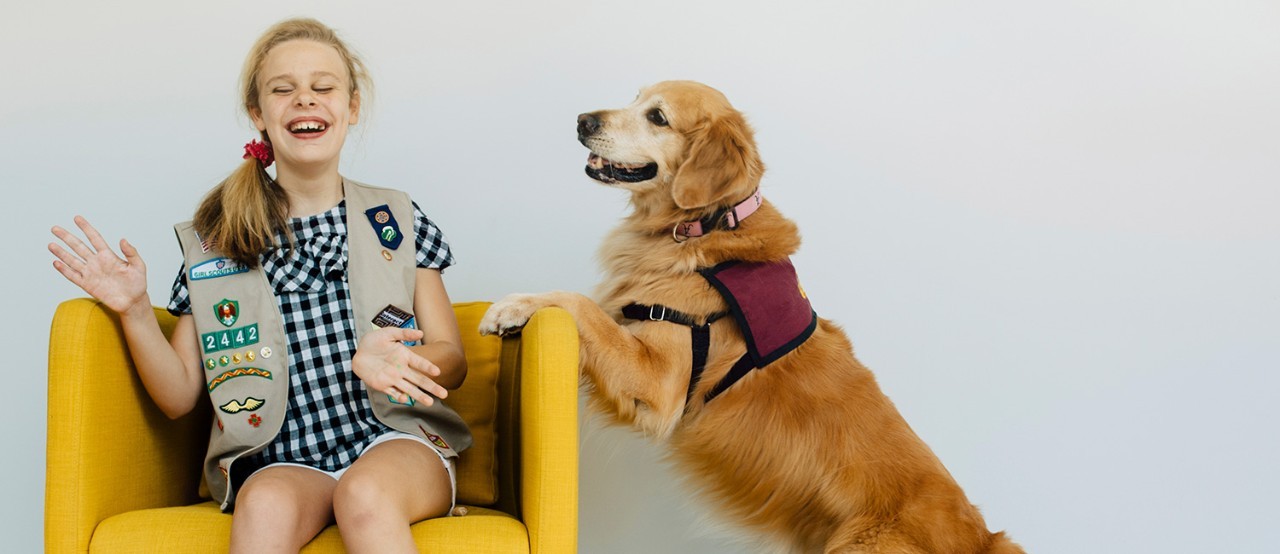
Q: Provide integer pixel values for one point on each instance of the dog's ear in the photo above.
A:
(721, 165)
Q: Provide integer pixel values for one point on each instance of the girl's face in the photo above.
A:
(305, 103)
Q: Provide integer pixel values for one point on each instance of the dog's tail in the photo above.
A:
(1001, 544)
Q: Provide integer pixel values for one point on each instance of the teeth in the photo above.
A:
(596, 162)
(307, 126)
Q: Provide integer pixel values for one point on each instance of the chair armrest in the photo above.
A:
(549, 431)
(110, 449)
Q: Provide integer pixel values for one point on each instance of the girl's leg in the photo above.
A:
(280, 509)
(391, 486)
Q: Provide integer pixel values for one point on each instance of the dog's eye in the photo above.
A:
(657, 118)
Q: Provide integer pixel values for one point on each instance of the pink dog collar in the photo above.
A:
(731, 218)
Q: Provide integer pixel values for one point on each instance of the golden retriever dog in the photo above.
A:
(802, 447)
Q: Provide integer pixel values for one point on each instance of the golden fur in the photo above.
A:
(807, 450)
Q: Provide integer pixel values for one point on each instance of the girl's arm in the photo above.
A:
(385, 364)
(169, 369)
(442, 343)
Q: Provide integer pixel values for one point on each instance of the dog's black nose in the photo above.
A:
(587, 125)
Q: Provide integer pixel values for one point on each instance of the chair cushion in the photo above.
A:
(204, 528)
(477, 402)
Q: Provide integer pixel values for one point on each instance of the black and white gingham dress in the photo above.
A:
(329, 419)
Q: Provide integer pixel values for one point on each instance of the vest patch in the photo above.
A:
(392, 316)
(227, 311)
(239, 372)
(385, 226)
(217, 267)
(231, 338)
(248, 405)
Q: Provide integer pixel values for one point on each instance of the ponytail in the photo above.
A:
(244, 213)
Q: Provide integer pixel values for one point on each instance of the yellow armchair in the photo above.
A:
(122, 477)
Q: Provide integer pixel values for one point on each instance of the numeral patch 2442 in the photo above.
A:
(231, 338)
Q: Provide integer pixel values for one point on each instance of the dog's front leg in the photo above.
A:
(636, 382)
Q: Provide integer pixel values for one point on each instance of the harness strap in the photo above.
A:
(699, 338)
(658, 312)
(740, 369)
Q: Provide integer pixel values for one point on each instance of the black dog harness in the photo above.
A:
(766, 301)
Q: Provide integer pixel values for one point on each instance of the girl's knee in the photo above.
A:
(272, 499)
(359, 497)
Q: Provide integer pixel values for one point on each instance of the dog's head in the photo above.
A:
(678, 136)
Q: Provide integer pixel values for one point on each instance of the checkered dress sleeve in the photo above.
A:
(433, 250)
(180, 299)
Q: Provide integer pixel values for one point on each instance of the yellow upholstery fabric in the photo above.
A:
(204, 528)
(477, 402)
(122, 477)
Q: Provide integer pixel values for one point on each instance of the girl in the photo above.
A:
(302, 275)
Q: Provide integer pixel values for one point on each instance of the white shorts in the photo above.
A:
(388, 436)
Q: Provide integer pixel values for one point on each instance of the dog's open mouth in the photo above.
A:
(608, 171)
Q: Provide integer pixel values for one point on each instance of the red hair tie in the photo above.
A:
(260, 150)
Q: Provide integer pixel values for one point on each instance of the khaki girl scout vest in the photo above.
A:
(242, 337)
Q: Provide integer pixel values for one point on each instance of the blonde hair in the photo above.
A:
(261, 208)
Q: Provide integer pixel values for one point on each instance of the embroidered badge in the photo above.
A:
(250, 404)
(393, 400)
(227, 312)
(235, 358)
(392, 316)
(384, 223)
(238, 372)
(211, 364)
(204, 244)
(248, 356)
(217, 267)
(224, 361)
(230, 338)
(266, 352)
(436, 440)
(255, 420)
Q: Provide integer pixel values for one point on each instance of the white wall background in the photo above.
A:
(1049, 227)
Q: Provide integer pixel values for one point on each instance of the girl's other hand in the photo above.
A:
(120, 284)
(385, 364)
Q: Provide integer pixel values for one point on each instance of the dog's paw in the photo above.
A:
(508, 315)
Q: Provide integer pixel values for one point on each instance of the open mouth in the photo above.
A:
(608, 171)
(307, 127)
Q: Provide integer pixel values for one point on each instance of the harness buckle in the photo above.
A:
(661, 316)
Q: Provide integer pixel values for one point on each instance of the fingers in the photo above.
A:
(130, 253)
(425, 384)
(70, 274)
(403, 335)
(95, 238)
(423, 365)
(397, 393)
(72, 241)
(68, 260)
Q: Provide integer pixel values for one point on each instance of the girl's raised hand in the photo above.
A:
(385, 364)
(120, 284)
